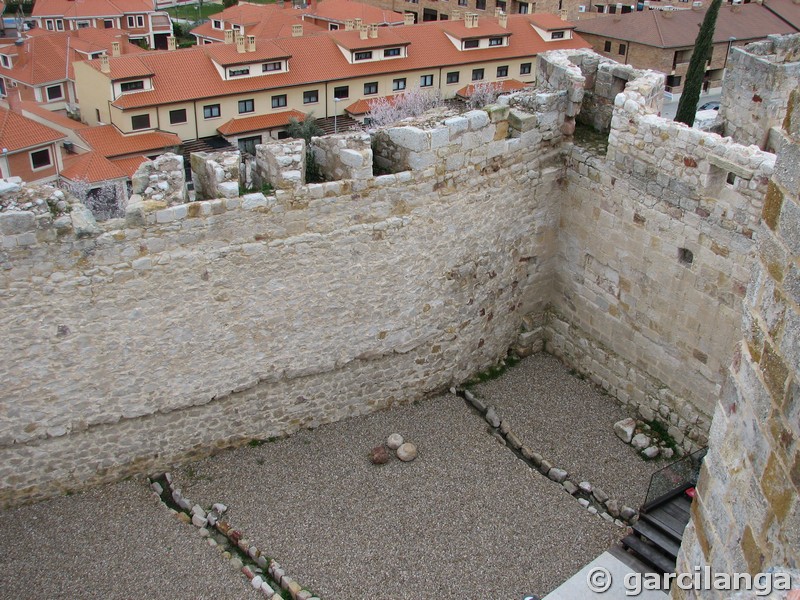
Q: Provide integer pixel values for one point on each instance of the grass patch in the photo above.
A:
(660, 432)
(194, 12)
(494, 371)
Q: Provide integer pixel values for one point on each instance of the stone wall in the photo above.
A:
(746, 516)
(346, 156)
(656, 249)
(192, 327)
(162, 180)
(756, 88)
(281, 165)
(216, 174)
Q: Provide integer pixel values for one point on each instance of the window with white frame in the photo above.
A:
(41, 159)
(54, 92)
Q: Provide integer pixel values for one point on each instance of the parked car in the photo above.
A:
(709, 106)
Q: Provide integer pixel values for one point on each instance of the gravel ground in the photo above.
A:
(571, 423)
(113, 542)
(467, 519)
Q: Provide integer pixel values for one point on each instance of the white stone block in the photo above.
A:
(412, 138)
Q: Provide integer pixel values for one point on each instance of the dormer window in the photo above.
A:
(557, 35)
(367, 55)
(5, 61)
(496, 41)
(271, 66)
(216, 24)
(240, 72)
(131, 86)
(389, 52)
(95, 55)
(468, 44)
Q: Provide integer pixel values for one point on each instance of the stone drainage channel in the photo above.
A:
(263, 573)
(592, 498)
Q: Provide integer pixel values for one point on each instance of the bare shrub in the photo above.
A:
(103, 200)
(412, 103)
(483, 94)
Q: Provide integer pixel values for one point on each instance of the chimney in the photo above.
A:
(229, 33)
(171, 43)
(408, 18)
(297, 30)
(362, 32)
(357, 23)
(240, 44)
(105, 66)
(503, 20)
(251, 43)
(14, 100)
(349, 25)
(373, 30)
(115, 48)
(498, 11)
(471, 20)
(456, 15)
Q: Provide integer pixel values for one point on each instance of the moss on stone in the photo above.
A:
(772, 206)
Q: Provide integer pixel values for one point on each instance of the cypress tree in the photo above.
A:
(687, 106)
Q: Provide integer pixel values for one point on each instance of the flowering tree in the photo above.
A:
(483, 94)
(413, 103)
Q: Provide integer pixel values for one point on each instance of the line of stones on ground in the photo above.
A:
(263, 573)
(590, 497)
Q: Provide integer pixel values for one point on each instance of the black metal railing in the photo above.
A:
(673, 479)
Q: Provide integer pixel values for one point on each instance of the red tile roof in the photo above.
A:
(18, 132)
(788, 10)
(129, 165)
(227, 54)
(678, 29)
(550, 22)
(504, 87)
(317, 59)
(352, 39)
(265, 21)
(52, 117)
(91, 167)
(341, 10)
(91, 8)
(109, 142)
(363, 106)
(460, 31)
(42, 58)
(259, 122)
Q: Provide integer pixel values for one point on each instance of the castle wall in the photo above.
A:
(746, 516)
(202, 325)
(656, 246)
(756, 89)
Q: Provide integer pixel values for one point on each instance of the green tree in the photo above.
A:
(687, 106)
(229, 3)
(305, 129)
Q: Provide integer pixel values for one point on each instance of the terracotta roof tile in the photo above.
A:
(677, 29)
(104, 8)
(318, 59)
(788, 10)
(56, 118)
(108, 141)
(352, 39)
(129, 165)
(341, 10)
(227, 54)
(265, 21)
(504, 87)
(91, 167)
(43, 56)
(126, 67)
(363, 106)
(18, 132)
(549, 22)
(259, 122)
(459, 30)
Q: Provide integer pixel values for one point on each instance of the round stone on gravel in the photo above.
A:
(651, 451)
(379, 455)
(407, 452)
(394, 441)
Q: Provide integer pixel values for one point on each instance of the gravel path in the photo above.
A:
(570, 423)
(114, 542)
(467, 519)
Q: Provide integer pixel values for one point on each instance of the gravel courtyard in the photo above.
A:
(466, 519)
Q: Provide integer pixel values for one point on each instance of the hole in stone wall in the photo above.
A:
(731, 179)
(617, 86)
(685, 256)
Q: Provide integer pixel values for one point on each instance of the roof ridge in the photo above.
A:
(658, 27)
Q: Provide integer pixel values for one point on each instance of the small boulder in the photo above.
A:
(407, 452)
(624, 429)
(651, 452)
(379, 455)
(492, 418)
(557, 475)
(394, 441)
(640, 441)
